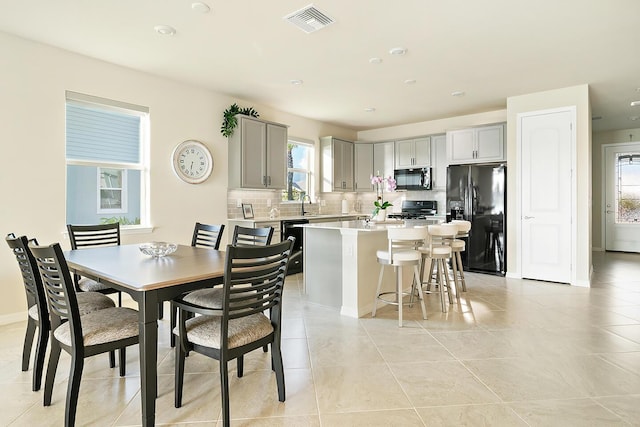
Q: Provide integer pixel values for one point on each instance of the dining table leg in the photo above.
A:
(148, 322)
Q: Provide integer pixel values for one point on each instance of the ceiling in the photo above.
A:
(489, 49)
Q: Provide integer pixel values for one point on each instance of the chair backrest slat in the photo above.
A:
(30, 275)
(205, 235)
(254, 278)
(245, 236)
(82, 236)
(59, 290)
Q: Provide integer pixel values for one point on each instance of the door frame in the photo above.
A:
(603, 184)
(572, 110)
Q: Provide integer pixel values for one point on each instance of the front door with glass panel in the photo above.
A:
(622, 197)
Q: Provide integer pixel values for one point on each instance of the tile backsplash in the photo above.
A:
(357, 202)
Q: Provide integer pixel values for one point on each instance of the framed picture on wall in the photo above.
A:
(247, 210)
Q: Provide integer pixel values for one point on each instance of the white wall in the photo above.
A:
(33, 81)
(601, 139)
(577, 96)
(432, 127)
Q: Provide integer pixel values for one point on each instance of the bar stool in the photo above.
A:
(402, 251)
(439, 253)
(457, 247)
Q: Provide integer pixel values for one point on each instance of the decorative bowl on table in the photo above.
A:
(158, 249)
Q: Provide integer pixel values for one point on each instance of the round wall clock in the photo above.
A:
(192, 161)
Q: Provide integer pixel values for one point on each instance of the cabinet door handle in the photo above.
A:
(269, 179)
(528, 217)
(264, 180)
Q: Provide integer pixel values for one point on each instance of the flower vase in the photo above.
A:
(381, 216)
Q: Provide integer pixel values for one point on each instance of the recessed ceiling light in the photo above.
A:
(375, 60)
(398, 51)
(369, 109)
(410, 81)
(200, 7)
(296, 82)
(457, 93)
(165, 30)
(635, 103)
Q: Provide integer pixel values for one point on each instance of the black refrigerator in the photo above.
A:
(477, 193)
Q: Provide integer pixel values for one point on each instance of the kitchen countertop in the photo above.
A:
(361, 225)
(294, 217)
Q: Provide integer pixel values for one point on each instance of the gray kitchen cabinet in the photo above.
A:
(258, 154)
(412, 153)
(476, 145)
(439, 162)
(363, 166)
(383, 158)
(336, 164)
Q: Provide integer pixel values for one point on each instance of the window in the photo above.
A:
(628, 194)
(299, 170)
(112, 194)
(106, 158)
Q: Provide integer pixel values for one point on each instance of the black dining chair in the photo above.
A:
(245, 236)
(253, 284)
(80, 335)
(204, 236)
(38, 313)
(212, 297)
(93, 236)
(207, 236)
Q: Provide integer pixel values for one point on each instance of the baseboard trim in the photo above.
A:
(7, 319)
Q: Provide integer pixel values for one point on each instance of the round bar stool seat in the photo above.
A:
(402, 251)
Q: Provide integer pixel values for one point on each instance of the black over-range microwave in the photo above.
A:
(413, 179)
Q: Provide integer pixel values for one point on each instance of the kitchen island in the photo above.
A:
(341, 268)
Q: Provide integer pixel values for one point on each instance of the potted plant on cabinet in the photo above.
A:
(230, 121)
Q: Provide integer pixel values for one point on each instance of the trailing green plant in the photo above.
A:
(230, 121)
(122, 220)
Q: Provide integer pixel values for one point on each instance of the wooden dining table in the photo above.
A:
(149, 281)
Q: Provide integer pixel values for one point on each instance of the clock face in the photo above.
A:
(192, 162)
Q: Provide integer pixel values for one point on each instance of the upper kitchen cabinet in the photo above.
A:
(439, 162)
(412, 153)
(476, 145)
(383, 158)
(337, 164)
(258, 154)
(363, 166)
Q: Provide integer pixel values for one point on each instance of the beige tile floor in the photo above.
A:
(514, 353)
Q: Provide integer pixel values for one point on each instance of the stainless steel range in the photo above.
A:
(416, 209)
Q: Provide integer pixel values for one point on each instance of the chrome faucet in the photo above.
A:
(302, 197)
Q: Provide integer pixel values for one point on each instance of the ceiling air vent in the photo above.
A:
(309, 19)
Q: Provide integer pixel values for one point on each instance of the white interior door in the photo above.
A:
(546, 144)
(622, 197)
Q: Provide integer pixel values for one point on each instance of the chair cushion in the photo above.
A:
(205, 330)
(209, 297)
(102, 326)
(33, 312)
(457, 245)
(400, 256)
(93, 301)
(90, 285)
